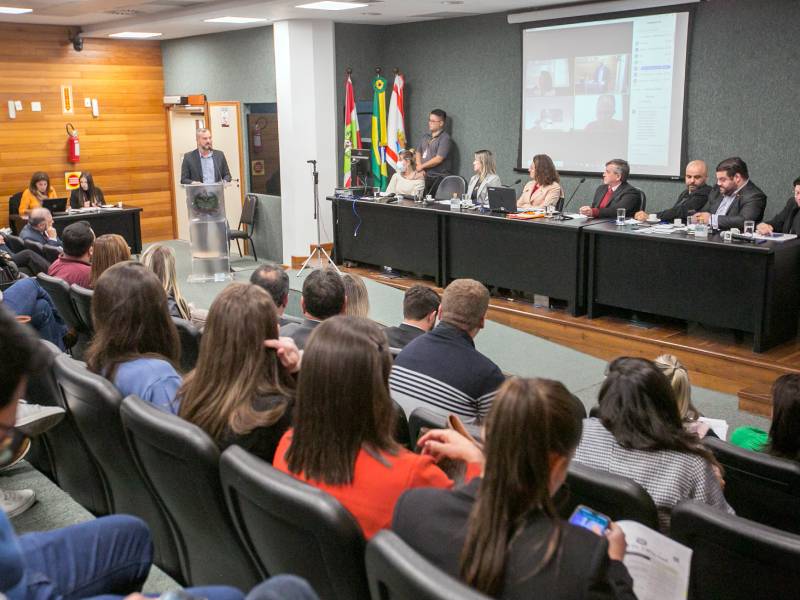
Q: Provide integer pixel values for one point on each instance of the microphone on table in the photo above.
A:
(517, 182)
(575, 191)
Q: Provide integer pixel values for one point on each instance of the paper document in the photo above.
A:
(576, 215)
(718, 426)
(658, 565)
(775, 237)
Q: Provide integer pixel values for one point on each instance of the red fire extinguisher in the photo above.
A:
(257, 135)
(73, 144)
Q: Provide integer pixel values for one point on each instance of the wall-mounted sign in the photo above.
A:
(257, 167)
(72, 180)
(67, 107)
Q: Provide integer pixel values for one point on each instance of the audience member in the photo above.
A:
(355, 290)
(442, 370)
(239, 392)
(109, 249)
(39, 228)
(783, 439)
(274, 279)
(74, 265)
(406, 180)
(639, 435)
(485, 168)
(544, 188)
(160, 259)
(343, 422)
(87, 194)
(420, 305)
(26, 298)
(39, 189)
(323, 296)
(500, 533)
(33, 262)
(135, 344)
(678, 377)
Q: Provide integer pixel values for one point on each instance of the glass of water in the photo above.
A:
(550, 210)
(749, 227)
(620, 216)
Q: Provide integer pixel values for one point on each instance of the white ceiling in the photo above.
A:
(182, 18)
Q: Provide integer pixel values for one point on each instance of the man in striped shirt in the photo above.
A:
(441, 370)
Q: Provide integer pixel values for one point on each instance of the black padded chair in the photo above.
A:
(760, 487)
(292, 527)
(51, 253)
(190, 343)
(181, 464)
(452, 184)
(395, 571)
(13, 209)
(94, 404)
(59, 292)
(248, 218)
(425, 418)
(735, 558)
(613, 495)
(14, 243)
(560, 204)
(82, 301)
(643, 204)
(35, 247)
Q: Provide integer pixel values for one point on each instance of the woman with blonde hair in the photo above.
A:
(355, 291)
(160, 259)
(406, 180)
(544, 188)
(109, 249)
(485, 175)
(678, 378)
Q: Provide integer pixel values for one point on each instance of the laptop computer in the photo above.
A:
(502, 199)
(55, 205)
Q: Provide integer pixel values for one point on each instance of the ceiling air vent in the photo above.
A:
(123, 12)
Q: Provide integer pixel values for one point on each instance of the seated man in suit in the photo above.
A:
(40, 228)
(692, 199)
(204, 165)
(788, 220)
(735, 200)
(420, 305)
(275, 281)
(323, 297)
(615, 193)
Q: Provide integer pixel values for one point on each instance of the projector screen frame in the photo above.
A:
(662, 10)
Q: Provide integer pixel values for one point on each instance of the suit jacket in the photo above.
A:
(788, 220)
(748, 205)
(482, 196)
(625, 196)
(401, 335)
(299, 332)
(686, 201)
(192, 170)
(434, 523)
(75, 198)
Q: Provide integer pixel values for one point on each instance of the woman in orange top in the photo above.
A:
(544, 188)
(344, 417)
(38, 189)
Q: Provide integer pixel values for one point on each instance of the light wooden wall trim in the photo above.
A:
(125, 148)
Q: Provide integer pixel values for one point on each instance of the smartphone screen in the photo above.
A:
(583, 516)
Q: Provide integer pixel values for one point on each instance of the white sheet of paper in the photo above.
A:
(718, 426)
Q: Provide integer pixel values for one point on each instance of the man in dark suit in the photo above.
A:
(692, 199)
(204, 165)
(420, 305)
(788, 220)
(323, 297)
(735, 200)
(274, 280)
(615, 193)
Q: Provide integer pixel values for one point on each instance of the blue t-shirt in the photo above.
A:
(12, 569)
(152, 379)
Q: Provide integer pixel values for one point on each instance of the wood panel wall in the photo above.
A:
(125, 148)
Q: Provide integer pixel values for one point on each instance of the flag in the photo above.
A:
(396, 132)
(379, 172)
(352, 137)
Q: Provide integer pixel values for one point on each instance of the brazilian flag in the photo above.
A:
(378, 152)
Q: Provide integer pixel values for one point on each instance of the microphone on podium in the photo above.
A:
(577, 187)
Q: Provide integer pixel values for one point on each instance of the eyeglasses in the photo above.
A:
(435, 121)
(11, 439)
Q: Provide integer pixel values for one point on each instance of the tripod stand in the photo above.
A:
(319, 251)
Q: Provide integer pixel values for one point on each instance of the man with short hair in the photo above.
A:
(692, 199)
(615, 193)
(788, 220)
(75, 264)
(323, 296)
(275, 281)
(735, 199)
(433, 152)
(420, 305)
(204, 165)
(40, 228)
(441, 370)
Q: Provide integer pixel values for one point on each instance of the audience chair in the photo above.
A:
(190, 343)
(618, 497)
(452, 184)
(82, 300)
(248, 219)
(13, 209)
(294, 528)
(395, 571)
(15, 244)
(180, 463)
(735, 558)
(758, 486)
(51, 253)
(424, 418)
(94, 404)
(35, 247)
(59, 292)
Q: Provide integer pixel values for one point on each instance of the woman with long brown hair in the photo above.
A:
(239, 392)
(501, 533)
(135, 344)
(109, 249)
(343, 422)
(544, 188)
(38, 189)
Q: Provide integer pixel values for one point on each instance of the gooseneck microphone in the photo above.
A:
(575, 191)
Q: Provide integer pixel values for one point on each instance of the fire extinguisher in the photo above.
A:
(257, 135)
(73, 144)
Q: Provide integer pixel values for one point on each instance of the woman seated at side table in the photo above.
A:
(485, 175)
(544, 188)
(39, 189)
(406, 180)
(87, 194)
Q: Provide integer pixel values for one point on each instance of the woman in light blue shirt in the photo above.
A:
(135, 344)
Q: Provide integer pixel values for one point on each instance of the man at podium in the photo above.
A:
(204, 165)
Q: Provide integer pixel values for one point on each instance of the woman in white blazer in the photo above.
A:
(485, 175)
(544, 188)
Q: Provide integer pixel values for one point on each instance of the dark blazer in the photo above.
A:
(299, 332)
(749, 205)
(686, 201)
(262, 441)
(434, 523)
(192, 170)
(788, 220)
(30, 233)
(402, 334)
(625, 196)
(75, 198)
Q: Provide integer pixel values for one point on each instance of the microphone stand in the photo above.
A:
(318, 251)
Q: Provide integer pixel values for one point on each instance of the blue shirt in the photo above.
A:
(154, 380)
(207, 163)
(13, 583)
